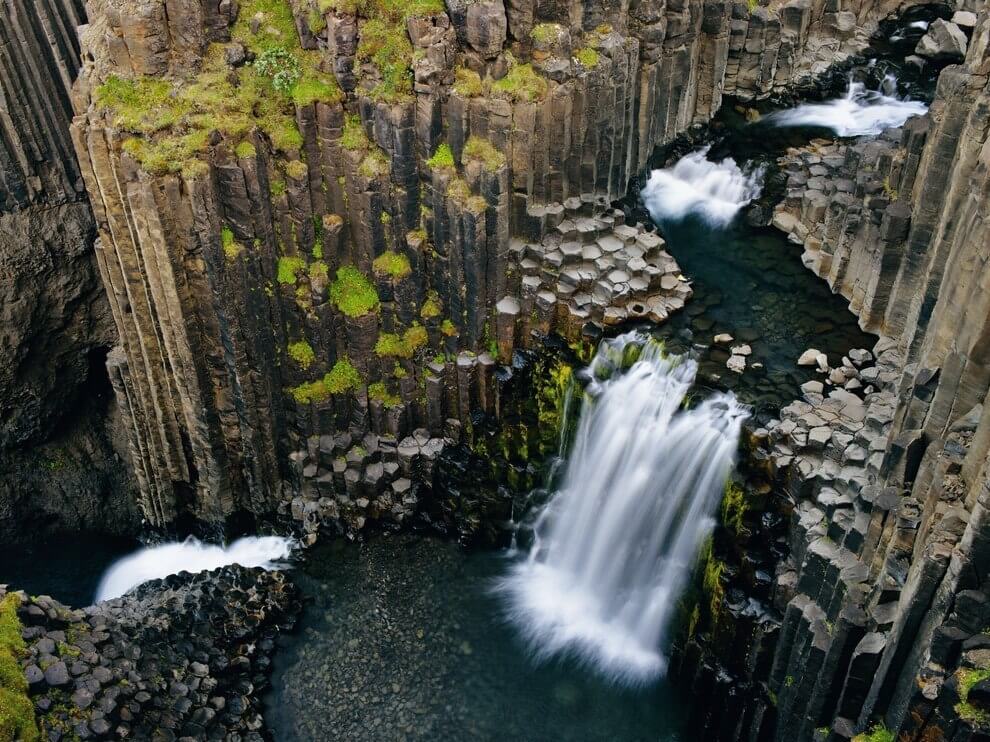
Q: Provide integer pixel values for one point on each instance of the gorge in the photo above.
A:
(550, 370)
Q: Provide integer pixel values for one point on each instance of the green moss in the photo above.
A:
(17, 720)
(521, 84)
(385, 44)
(459, 192)
(353, 293)
(733, 506)
(467, 83)
(443, 158)
(753, 4)
(231, 247)
(296, 169)
(302, 353)
(278, 188)
(316, 88)
(390, 345)
(288, 268)
(877, 733)
(431, 307)
(546, 33)
(342, 378)
(447, 328)
(245, 150)
(482, 150)
(588, 57)
(374, 165)
(377, 391)
(392, 264)
(353, 137)
(967, 678)
(712, 581)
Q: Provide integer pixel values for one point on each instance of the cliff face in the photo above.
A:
(882, 598)
(339, 218)
(60, 470)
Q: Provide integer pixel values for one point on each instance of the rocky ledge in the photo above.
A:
(181, 658)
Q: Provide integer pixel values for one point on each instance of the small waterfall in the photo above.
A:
(614, 547)
(191, 555)
(859, 112)
(716, 191)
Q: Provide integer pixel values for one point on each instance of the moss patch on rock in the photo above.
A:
(289, 268)
(392, 264)
(391, 345)
(342, 378)
(442, 159)
(353, 293)
(17, 721)
(302, 353)
(483, 151)
(520, 84)
(380, 393)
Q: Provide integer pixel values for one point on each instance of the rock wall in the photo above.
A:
(875, 616)
(60, 470)
(319, 221)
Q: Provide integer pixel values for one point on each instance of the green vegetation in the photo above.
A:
(17, 720)
(377, 391)
(546, 33)
(459, 192)
(288, 269)
(353, 137)
(302, 353)
(296, 169)
(712, 580)
(520, 84)
(245, 149)
(967, 679)
(278, 188)
(390, 345)
(431, 307)
(443, 158)
(888, 189)
(877, 733)
(342, 378)
(467, 83)
(392, 264)
(447, 328)
(231, 247)
(374, 164)
(588, 57)
(733, 506)
(753, 4)
(482, 150)
(353, 293)
(281, 67)
(176, 118)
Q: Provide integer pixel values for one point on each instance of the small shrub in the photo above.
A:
(281, 67)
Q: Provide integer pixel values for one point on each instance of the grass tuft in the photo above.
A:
(482, 150)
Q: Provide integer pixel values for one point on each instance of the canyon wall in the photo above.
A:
(59, 468)
(323, 227)
(877, 611)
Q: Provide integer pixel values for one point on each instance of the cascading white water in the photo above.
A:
(715, 191)
(191, 555)
(859, 112)
(615, 545)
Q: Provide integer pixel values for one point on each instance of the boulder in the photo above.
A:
(944, 42)
(808, 358)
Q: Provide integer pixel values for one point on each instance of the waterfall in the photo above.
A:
(191, 555)
(615, 545)
(716, 191)
(859, 112)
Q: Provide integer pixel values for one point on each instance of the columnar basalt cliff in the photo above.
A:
(60, 468)
(876, 617)
(320, 221)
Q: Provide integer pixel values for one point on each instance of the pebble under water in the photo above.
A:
(403, 639)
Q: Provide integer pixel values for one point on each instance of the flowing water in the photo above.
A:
(715, 191)
(859, 112)
(192, 555)
(614, 547)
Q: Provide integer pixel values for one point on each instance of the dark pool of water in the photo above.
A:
(751, 284)
(68, 568)
(402, 640)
